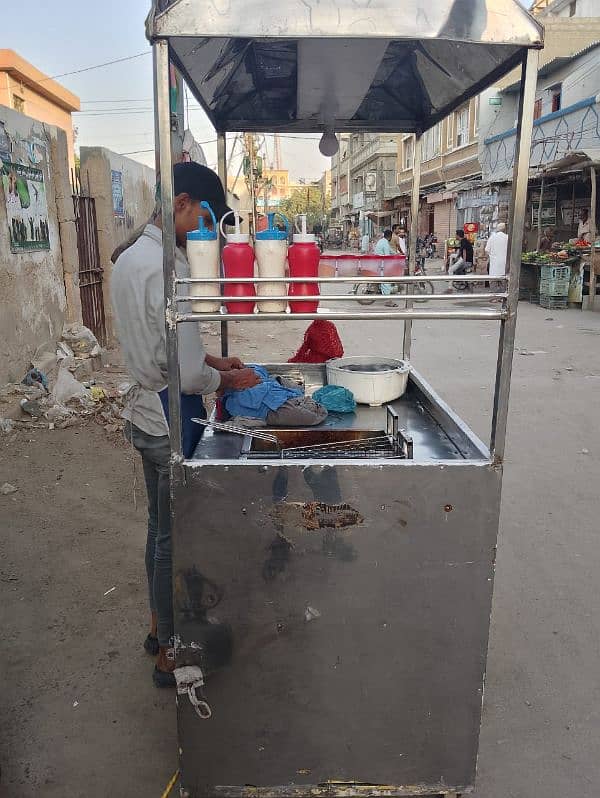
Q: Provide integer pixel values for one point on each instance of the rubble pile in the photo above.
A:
(64, 388)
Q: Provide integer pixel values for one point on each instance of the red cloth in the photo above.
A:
(321, 343)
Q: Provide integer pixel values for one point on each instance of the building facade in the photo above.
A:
(449, 166)
(28, 91)
(363, 181)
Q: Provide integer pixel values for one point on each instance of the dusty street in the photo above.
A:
(80, 714)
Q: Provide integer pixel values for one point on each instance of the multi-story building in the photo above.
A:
(341, 204)
(449, 165)
(363, 179)
(566, 126)
(29, 91)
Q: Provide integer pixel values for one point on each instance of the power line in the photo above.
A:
(97, 66)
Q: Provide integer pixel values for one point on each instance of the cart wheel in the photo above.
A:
(425, 288)
(364, 291)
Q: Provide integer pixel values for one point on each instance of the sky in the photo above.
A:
(116, 101)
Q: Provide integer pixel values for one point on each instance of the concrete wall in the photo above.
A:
(38, 289)
(97, 165)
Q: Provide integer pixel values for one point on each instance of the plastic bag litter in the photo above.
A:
(67, 387)
(80, 339)
(335, 398)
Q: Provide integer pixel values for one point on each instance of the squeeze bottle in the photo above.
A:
(203, 257)
(238, 261)
(303, 257)
(270, 249)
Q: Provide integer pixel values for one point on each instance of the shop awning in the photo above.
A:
(573, 162)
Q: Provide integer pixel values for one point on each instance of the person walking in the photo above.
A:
(496, 250)
(137, 293)
(384, 247)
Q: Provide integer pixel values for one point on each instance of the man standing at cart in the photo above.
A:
(137, 293)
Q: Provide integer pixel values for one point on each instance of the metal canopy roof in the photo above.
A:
(311, 65)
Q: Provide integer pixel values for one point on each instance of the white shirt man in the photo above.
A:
(364, 244)
(496, 249)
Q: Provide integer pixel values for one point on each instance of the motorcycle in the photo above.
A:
(430, 246)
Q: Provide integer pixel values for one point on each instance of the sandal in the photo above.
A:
(163, 678)
(151, 645)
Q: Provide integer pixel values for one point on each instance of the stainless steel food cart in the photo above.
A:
(333, 586)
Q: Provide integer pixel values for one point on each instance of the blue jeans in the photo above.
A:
(156, 453)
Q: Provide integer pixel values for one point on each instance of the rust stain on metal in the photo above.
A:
(313, 516)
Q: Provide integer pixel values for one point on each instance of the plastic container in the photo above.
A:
(270, 250)
(203, 257)
(238, 261)
(303, 257)
(385, 382)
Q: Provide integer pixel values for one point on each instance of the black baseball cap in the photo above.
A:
(202, 184)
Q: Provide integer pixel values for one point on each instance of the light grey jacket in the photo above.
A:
(137, 296)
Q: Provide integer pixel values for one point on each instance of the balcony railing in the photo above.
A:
(373, 148)
(574, 128)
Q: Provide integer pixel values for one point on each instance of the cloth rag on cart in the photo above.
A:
(257, 402)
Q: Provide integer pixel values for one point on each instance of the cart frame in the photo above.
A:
(482, 470)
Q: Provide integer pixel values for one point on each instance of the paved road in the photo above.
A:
(85, 720)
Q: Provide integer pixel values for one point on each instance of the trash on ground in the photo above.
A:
(6, 425)
(310, 614)
(8, 488)
(110, 590)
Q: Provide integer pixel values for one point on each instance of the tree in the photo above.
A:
(309, 200)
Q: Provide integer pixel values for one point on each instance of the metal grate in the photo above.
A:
(381, 446)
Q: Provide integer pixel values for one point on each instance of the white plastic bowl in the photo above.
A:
(370, 387)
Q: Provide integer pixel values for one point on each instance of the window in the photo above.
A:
(282, 181)
(537, 109)
(462, 127)
(476, 116)
(18, 103)
(556, 92)
(431, 144)
(408, 153)
(450, 132)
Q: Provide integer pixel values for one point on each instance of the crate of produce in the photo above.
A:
(551, 272)
(553, 302)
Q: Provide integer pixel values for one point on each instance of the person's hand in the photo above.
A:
(229, 363)
(239, 379)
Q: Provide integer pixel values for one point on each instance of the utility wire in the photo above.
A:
(96, 66)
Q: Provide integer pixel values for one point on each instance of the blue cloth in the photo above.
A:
(383, 247)
(335, 398)
(257, 402)
(192, 406)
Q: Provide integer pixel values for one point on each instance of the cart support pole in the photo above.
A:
(516, 227)
(163, 112)
(593, 234)
(222, 172)
(412, 244)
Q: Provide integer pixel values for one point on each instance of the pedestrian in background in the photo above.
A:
(496, 249)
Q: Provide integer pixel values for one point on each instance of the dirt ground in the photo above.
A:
(80, 714)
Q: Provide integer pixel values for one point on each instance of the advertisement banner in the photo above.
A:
(26, 207)
(117, 193)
